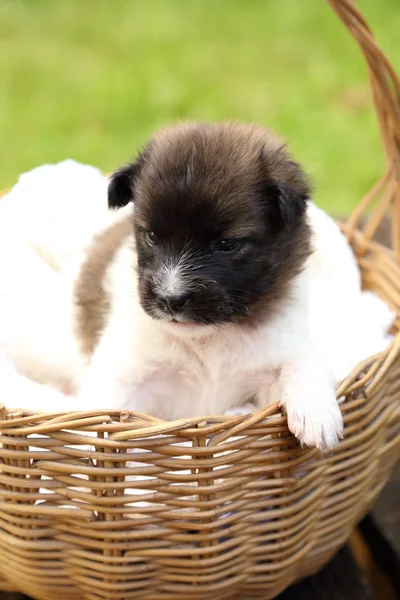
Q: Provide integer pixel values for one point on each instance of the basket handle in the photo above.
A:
(385, 85)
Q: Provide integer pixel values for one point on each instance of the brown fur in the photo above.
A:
(92, 303)
(230, 161)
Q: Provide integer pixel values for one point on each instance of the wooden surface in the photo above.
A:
(341, 579)
(381, 530)
(386, 513)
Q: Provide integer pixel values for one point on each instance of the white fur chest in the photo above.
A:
(177, 376)
(170, 373)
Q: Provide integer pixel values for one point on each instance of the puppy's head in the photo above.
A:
(219, 220)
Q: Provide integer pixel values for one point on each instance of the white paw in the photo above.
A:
(313, 413)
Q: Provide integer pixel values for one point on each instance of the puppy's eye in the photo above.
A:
(151, 238)
(227, 246)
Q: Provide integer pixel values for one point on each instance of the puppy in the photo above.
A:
(207, 289)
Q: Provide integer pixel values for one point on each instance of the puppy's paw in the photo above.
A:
(313, 414)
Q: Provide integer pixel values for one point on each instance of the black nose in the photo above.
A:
(172, 303)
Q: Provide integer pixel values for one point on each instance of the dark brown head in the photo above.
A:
(220, 222)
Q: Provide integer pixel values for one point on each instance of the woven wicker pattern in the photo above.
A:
(121, 506)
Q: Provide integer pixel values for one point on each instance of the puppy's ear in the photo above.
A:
(285, 204)
(122, 184)
(286, 192)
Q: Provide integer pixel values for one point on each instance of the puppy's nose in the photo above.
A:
(172, 303)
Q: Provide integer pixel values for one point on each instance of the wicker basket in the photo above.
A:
(211, 508)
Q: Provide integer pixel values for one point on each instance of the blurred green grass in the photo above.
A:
(91, 79)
